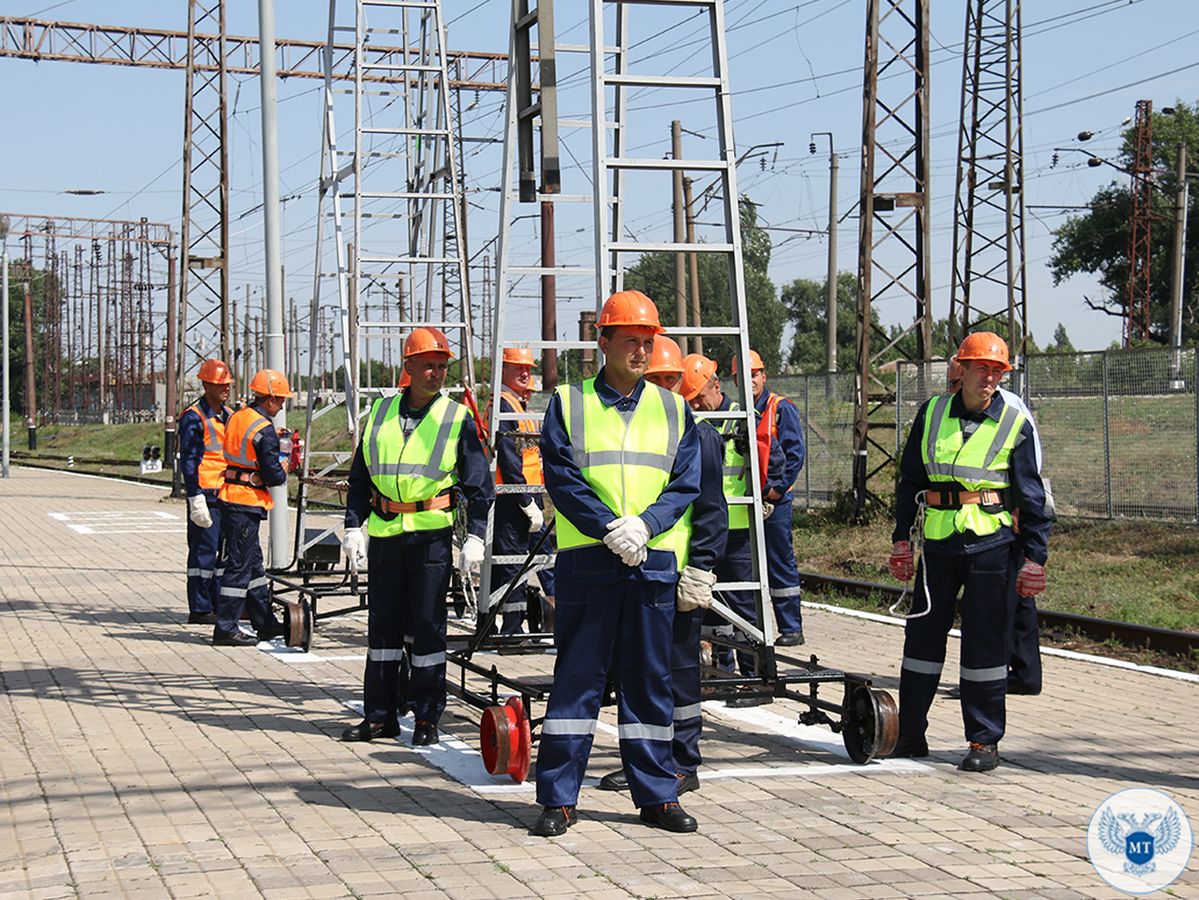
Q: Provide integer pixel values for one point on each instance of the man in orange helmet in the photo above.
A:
(254, 464)
(418, 450)
(518, 461)
(709, 534)
(779, 423)
(968, 465)
(202, 462)
(621, 462)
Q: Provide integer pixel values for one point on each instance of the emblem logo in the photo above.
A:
(1139, 840)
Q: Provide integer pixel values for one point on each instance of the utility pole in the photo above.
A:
(831, 281)
(7, 412)
(680, 260)
(1181, 199)
(30, 387)
(697, 319)
(549, 299)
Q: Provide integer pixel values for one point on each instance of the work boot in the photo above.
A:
(368, 731)
(272, 631)
(980, 758)
(614, 781)
(555, 820)
(954, 692)
(201, 618)
(670, 816)
(790, 639)
(236, 639)
(910, 747)
(747, 700)
(686, 781)
(425, 733)
(1015, 687)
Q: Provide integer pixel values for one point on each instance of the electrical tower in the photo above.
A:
(988, 287)
(893, 238)
(1136, 310)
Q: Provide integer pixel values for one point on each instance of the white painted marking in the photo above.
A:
(1048, 651)
(127, 521)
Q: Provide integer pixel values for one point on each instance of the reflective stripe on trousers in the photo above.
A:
(203, 559)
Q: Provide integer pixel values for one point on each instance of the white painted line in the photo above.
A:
(1048, 651)
(108, 478)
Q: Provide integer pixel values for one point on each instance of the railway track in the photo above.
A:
(1144, 637)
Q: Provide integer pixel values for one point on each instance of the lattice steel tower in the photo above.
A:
(1140, 286)
(988, 287)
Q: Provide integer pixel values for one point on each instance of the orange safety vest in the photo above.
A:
(530, 456)
(240, 454)
(767, 431)
(212, 466)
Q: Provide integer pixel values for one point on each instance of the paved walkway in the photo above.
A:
(137, 760)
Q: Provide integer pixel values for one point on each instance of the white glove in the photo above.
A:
(634, 557)
(767, 509)
(354, 545)
(197, 511)
(626, 536)
(695, 589)
(536, 517)
(472, 556)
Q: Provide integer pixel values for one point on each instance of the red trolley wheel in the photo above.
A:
(505, 740)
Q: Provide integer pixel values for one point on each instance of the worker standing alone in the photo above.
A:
(518, 461)
(202, 463)
(621, 461)
(417, 450)
(252, 467)
(779, 424)
(969, 462)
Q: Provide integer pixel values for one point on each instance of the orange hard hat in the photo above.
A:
(270, 383)
(405, 379)
(213, 371)
(666, 357)
(755, 362)
(630, 308)
(519, 356)
(985, 345)
(697, 372)
(427, 340)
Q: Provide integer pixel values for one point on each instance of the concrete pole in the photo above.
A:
(7, 412)
(680, 259)
(549, 300)
(831, 287)
(1182, 198)
(697, 319)
(274, 281)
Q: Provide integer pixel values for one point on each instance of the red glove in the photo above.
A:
(1030, 580)
(902, 565)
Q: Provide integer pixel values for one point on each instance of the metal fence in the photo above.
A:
(1118, 427)
(825, 405)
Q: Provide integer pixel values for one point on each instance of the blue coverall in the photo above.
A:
(203, 544)
(984, 569)
(610, 616)
(510, 529)
(244, 583)
(782, 571)
(709, 535)
(407, 587)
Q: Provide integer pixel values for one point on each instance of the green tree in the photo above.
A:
(1061, 341)
(1097, 241)
(20, 273)
(653, 274)
(806, 304)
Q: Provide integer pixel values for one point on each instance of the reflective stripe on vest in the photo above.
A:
(416, 468)
(530, 456)
(212, 464)
(627, 464)
(733, 483)
(981, 461)
(239, 451)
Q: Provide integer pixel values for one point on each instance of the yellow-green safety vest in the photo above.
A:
(734, 473)
(418, 468)
(627, 465)
(980, 462)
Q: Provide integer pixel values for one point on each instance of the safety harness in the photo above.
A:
(387, 507)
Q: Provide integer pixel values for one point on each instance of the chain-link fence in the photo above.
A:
(1118, 427)
(825, 404)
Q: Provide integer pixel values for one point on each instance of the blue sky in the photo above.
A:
(795, 69)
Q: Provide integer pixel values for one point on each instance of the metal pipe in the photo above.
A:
(274, 286)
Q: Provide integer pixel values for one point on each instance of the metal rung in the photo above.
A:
(520, 488)
(550, 270)
(740, 501)
(539, 560)
(662, 81)
(705, 165)
(737, 586)
(564, 198)
(555, 345)
(529, 414)
(723, 414)
(582, 123)
(666, 247)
